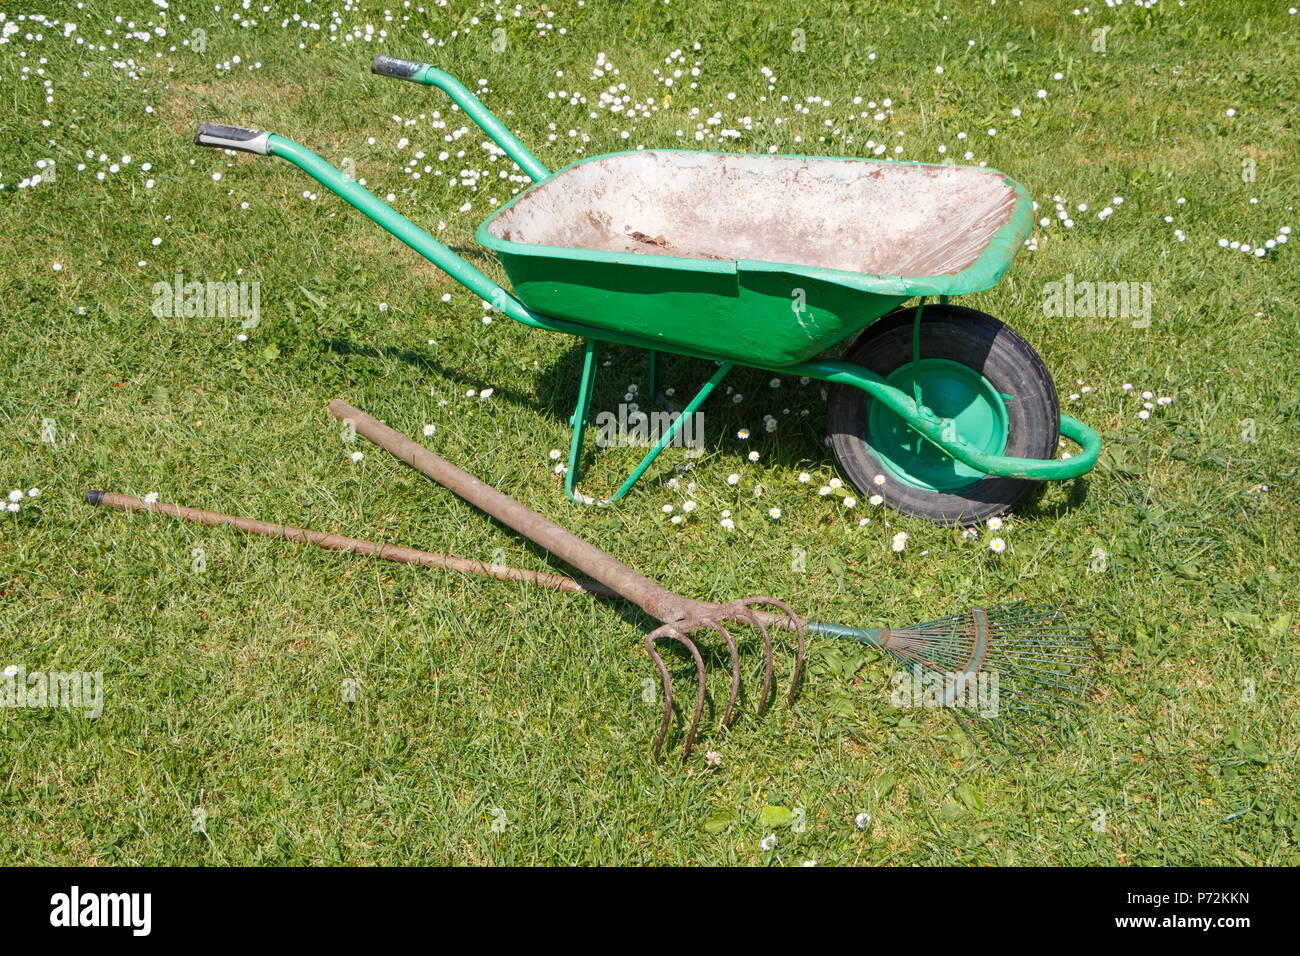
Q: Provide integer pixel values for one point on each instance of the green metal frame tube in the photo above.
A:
(408, 232)
(678, 424)
(931, 427)
(581, 412)
(473, 107)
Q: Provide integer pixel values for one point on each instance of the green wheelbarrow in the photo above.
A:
(769, 261)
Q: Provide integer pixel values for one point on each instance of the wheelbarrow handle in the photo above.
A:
(347, 188)
(386, 65)
(220, 136)
(472, 106)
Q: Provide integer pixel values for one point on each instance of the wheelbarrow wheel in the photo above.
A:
(974, 370)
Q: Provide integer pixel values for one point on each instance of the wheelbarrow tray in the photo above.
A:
(756, 259)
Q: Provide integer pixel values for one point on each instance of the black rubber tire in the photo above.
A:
(979, 342)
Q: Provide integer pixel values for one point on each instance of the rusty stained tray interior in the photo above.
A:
(863, 216)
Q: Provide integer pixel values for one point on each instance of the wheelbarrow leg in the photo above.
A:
(579, 419)
(667, 437)
(654, 373)
(583, 411)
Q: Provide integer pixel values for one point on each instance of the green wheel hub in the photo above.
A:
(951, 391)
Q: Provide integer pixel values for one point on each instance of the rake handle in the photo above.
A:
(338, 542)
(653, 598)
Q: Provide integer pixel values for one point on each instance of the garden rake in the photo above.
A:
(1011, 671)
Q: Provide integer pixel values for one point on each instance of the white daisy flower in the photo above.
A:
(997, 546)
(430, 429)
(774, 513)
(862, 821)
(875, 501)
(355, 456)
(752, 456)
(733, 479)
(804, 477)
(850, 502)
(768, 843)
(16, 495)
(994, 523)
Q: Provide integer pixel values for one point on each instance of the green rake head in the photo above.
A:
(1010, 674)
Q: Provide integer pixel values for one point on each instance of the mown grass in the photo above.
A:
(225, 688)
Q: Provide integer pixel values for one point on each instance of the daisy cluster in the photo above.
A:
(861, 821)
(15, 499)
(1147, 399)
(996, 544)
(1150, 402)
(1259, 250)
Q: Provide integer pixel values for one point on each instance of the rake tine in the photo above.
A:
(670, 632)
(797, 626)
(742, 611)
(735, 673)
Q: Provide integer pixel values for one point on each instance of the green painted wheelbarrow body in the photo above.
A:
(749, 311)
(745, 319)
(761, 313)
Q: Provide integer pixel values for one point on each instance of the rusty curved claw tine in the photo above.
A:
(797, 625)
(671, 632)
(740, 611)
(735, 671)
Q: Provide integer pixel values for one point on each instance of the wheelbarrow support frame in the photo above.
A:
(908, 407)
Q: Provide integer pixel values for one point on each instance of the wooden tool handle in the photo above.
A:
(651, 597)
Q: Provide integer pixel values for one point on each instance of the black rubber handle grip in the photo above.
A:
(386, 65)
(232, 137)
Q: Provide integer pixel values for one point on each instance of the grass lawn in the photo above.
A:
(267, 703)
